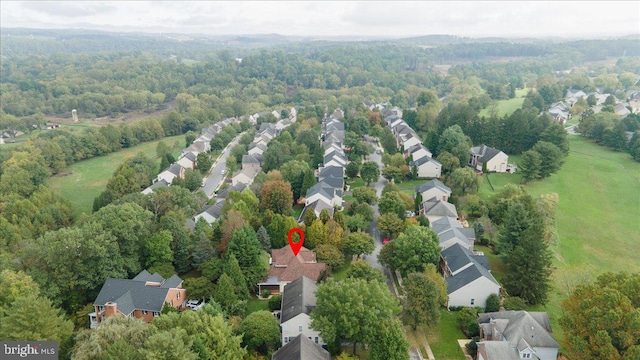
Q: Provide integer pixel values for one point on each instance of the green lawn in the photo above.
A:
(444, 339)
(597, 216)
(254, 304)
(341, 273)
(88, 178)
(506, 107)
(355, 183)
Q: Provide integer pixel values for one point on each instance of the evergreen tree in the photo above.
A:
(263, 238)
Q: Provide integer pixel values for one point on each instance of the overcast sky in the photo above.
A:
(329, 18)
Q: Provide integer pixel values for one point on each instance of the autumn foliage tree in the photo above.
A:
(276, 196)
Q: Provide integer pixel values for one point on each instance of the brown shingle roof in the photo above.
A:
(288, 267)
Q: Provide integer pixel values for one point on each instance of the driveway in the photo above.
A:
(215, 176)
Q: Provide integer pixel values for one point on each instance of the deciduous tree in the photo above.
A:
(261, 332)
(421, 301)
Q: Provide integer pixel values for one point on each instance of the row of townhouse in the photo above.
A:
(561, 110)
(187, 159)
(328, 191)
(251, 165)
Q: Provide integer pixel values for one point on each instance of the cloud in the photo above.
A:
(69, 9)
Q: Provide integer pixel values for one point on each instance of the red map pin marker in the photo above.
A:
(295, 247)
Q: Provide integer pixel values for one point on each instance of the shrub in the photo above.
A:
(468, 321)
(514, 303)
(493, 303)
(472, 347)
(265, 293)
(275, 302)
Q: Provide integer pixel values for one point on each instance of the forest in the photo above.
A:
(46, 73)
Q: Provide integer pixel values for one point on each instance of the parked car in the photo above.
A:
(195, 304)
(385, 240)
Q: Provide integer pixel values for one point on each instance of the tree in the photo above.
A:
(391, 343)
(552, 158)
(391, 202)
(240, 286)
(157, 249)
(324, 216)
(360, 269)
(130, 224)
(454, 141)
(600, 319)
(421, 301)
(263, 238)
(370, 172)
(358, 243)
(14, 285)
(390, 224)
(199, 288)
(247, 249)
(330, 255)
(464, 181)
(352, 169)
(411, 251)
(278, 229)
(225, 295)
(33, 317)
(276, 196)
(493, 303)
(169, 344)
(530, 165)
(449, 162)
(116, 335)
(352, 309)
(308, 181)
(294, 171)
(468, 321)
(192, 180)
(261, 332)
(204, 162)
(557, 135)
(431, 272)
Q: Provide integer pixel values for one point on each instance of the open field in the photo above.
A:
(506, 107)
(87, 179)
(597, 215)
(443, 339)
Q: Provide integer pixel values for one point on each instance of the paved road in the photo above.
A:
(215, 176)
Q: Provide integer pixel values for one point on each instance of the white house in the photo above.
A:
(298, 300)
(427, 167)
(409, 141)
(188, 160)
(211, 214)
(301, 348)
(171, 172)
(416, 152)
(244, 176)
(454, 235)
(516, 335)
(434, 188)
(469, 282)
(495, 160)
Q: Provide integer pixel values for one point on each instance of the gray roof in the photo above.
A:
(431, 184)
(334, 182)
(249, 159)
(335, 171)
(299, 297)
(453, 233)
(458, 257)
(158, 184)
(133, 294)
(439, 208)
(190, 155)
(443, 224)
(323, 189)
(215, 210)
(301, 348)
(498, 350)
(175, 169)
(486, 153)
(423, 160)
(533, 327)
(415, 148)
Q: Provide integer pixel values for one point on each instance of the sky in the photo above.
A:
(334, 18)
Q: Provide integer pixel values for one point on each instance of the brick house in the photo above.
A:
(285, 268)
(142, 297)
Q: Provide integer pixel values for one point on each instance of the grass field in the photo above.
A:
(87, 179)
(443, 339)
(506, 107)
(597, 215)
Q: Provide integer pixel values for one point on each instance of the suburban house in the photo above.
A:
(469, 282)
(426, 167)
(409, 141)
(286, 267)
(301, 348)
(493, 159)
(621, 110)
(507, 335)
(560, 112)
(211, 213)
(298, 300)
(335, 158)
(188, 160)
(199, 146)
(331, 172)
(258, 148)
(326, 192)
(251, 162)
(435, 209)
(155, 185)
(434, 188)
(142, 297)
(316, 206)
(170, 173)
(455, 235)
(244, 176)
(416, 152)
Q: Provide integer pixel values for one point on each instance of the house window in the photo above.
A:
(156, 313)
(300, 328)
(286, 339)
(473, 301)
(144, 312)
(316, 339)
(100, 308)
(178, 295)
(526, 355)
